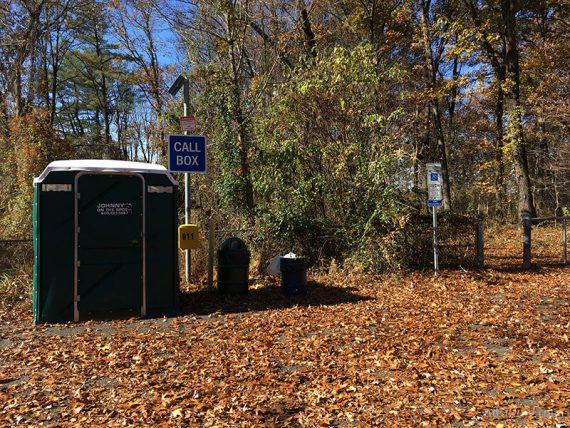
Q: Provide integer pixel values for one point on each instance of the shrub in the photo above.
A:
(30, 145)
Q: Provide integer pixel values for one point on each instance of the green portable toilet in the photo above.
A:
(104, 241)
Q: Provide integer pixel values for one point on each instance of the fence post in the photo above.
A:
(480, 245)
(564, 246)
(527, 227)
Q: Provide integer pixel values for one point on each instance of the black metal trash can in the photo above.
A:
(294, 275)
(233, 267)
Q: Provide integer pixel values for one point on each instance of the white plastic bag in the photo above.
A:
(274, 268)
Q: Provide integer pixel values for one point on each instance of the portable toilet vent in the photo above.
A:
(104, 236)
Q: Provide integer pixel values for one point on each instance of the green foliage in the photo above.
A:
(319, 120)
(327, 157)
(215, 104)
(95, 87)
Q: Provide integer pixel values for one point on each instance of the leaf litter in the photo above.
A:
(476, 348)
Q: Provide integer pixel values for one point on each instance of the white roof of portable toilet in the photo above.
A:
(104, 166)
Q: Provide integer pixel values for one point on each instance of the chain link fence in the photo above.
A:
(16, 254)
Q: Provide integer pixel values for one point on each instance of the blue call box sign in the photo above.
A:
(187, 153)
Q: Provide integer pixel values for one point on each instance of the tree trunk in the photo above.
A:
(497, 59)
(439, 154)
(155, 79)
(421, 144)
(238, 118)
(55, 62)
(44, 84)
(18, 84)
(32, 68)
(308, 33)
(544, 176)
(514, 109)
(500, 190)
(104, 98)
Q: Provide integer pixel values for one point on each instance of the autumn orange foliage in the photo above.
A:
(470, 348)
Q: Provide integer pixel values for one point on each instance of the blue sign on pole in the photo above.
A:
(187, 153)
(434, 185)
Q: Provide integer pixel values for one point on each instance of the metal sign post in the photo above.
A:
(187, 203)
(435, 199)
(435, 246)
(188, 124)
(187, 194)
(186, 154)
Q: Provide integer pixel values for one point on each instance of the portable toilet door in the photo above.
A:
(110, 250)
(97, 252)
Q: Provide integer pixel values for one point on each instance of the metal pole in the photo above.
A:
(435, 245)
(187, 196)
(564, 246)
(187, 200)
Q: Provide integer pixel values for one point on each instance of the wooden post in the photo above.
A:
(527, 227)
(564, 245)
(480, 245)
(211, 249)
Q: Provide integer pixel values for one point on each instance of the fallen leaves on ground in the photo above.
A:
(476, 348)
